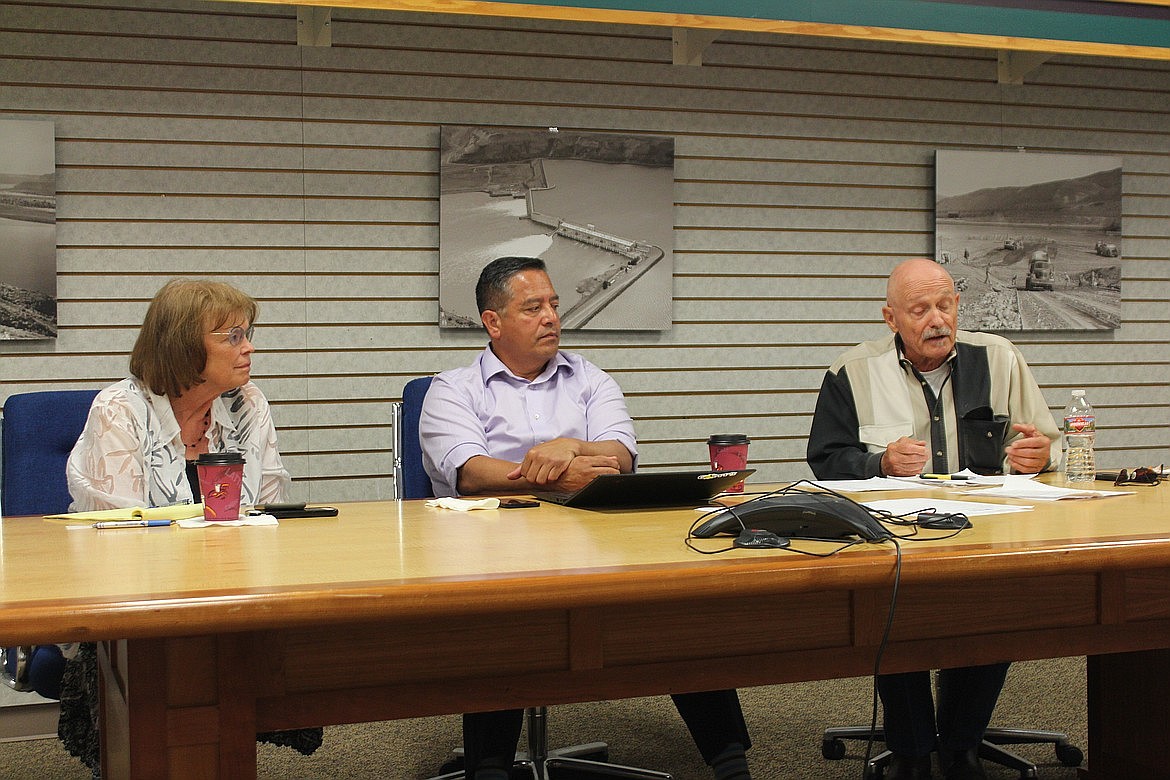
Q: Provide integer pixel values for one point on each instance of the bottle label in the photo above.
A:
(1080, 423)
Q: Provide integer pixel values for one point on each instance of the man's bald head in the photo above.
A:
(911, 274)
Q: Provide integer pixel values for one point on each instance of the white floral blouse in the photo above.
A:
(131, 453)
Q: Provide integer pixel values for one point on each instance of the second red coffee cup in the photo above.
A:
(220, 477)
(729, 453)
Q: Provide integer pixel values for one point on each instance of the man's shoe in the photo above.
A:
(963, 765)
(908, 768)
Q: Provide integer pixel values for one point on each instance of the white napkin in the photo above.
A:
(199, 522)
(464, 504)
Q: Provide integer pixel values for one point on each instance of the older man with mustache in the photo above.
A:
(932, 398)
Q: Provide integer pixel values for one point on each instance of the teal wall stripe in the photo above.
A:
(1111, 23)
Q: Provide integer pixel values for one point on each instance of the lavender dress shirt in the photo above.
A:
(485, 409)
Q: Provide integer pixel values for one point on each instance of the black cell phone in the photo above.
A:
(279, 507)
(282, 511)
(517, 503)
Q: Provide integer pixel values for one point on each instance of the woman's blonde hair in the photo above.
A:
(169, 355)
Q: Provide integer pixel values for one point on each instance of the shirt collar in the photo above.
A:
(169, 428)
(491, 367)
(908, 366)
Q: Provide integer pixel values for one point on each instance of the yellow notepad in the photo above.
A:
(176, 512)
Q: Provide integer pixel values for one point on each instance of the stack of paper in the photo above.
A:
(1015, 486)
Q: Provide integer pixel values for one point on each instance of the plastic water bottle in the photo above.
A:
(1080, 429)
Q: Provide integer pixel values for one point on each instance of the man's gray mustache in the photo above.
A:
(933, 333)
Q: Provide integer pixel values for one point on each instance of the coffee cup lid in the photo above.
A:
(220, 458)
(727, 439)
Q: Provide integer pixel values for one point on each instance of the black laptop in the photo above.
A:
(645, 489)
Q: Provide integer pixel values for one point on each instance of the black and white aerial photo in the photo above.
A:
(28, 230)
(1032, 240)
(598, 208)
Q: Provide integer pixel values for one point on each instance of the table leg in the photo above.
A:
(1128, 700)
(177, 708)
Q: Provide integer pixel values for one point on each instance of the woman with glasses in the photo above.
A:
(189, 392)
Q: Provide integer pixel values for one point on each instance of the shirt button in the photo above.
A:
(939, 453)
(936, 419)
(537, 416)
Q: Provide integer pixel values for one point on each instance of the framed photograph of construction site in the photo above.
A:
(1033, 241)
(597, 207)
(28, 230)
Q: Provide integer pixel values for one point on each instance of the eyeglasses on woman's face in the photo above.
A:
(236, 334)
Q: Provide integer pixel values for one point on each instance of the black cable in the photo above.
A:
(914, 523)
(894, 538)
(842, 546)
(917, 522)
(877, 661)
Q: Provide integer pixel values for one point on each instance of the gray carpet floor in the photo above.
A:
(785, 721)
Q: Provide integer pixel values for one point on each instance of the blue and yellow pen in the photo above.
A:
(132, 524)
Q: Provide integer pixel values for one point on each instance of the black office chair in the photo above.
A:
(577, 762)
(833, 748)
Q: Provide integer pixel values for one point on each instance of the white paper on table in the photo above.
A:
(463, 504)
(862, 485)
(199, 522)
(912, 506)
(1016, 486)
(972, 479)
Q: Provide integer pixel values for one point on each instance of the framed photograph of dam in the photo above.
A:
(28, 230)
(1033, 241)
(597, 207)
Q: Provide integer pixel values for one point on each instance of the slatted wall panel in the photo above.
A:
(198, 139)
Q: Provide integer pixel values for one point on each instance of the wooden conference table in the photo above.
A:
(395, 610)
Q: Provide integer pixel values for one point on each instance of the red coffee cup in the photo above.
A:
(220, 477)
(729, 453)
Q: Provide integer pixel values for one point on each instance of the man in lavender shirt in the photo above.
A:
(526, 416)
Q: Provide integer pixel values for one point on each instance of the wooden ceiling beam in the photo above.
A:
(568, 12)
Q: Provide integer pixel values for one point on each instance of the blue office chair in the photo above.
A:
(415, 482)
(39, 431)
(578, 761)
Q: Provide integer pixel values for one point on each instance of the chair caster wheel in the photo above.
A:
(833, 749)
(1070, 755)
(453, 765)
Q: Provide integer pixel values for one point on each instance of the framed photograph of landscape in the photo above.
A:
(598, 208)
(28, 230)
(1032, 240)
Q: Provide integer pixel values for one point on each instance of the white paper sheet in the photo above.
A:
(912, 506)
(971, 479)
(864, 485)
(1015, 486)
